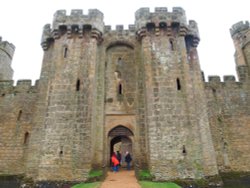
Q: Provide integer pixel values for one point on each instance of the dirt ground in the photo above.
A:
(121, 179)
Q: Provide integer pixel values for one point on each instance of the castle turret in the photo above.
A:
(179, 139)
(6, 54)
(67, 93)
(240, 33)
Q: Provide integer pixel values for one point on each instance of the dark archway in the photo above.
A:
(121, 139)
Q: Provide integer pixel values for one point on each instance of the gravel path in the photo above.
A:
(121, 179)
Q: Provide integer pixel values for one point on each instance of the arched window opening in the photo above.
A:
(163, 25)
(19, 115)
(178, 84)
(150, 27)
(26, 138)
(65, 52)
(78, 83)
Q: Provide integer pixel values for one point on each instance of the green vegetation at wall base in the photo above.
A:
(145, 175)
(95, 175)
(149, 184)
(87, 185)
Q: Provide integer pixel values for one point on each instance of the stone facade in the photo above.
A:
(141, 88)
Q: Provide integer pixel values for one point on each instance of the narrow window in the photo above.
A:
(78, 85)
(171, 44)
(65, 52)
(184, 151)
(178, 84)
(26, 138)
(120, 89)
(19, 115)
(61, 151)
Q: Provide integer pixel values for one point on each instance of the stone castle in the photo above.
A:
(140, 89)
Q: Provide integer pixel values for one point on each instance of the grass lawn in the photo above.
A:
(87, 185)
(149, 184)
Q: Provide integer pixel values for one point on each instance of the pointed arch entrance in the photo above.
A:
(120, 139)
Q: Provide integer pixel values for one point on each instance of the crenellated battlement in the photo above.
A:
(238, 27)
(76, 17)
(217, 79)
(143, 16)
(228, 82)
(76, 22)
(22, 86)
(119, 29)
(7, 47)
(172, 22)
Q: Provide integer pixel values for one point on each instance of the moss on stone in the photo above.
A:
(145, 175)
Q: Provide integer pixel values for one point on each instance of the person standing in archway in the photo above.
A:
(128, 159)
(119, 157)
(115, 162)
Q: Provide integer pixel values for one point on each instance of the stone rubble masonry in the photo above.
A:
(145, 81)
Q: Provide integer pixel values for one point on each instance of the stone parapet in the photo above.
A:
(7, 47)
(161, 14)
(238, 27)
(93, 18)
(162, 19)
(217, 79)
(75, 23)
(22, 86)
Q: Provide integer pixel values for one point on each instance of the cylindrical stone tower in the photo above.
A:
(61, 143)
(240, 33)
(179, 138)
(6, 54)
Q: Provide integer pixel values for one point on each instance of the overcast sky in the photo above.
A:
(21, 24)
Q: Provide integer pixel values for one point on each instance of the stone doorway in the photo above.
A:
(121, 139)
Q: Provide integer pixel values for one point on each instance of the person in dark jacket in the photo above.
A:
(119, 157)
(128, 159)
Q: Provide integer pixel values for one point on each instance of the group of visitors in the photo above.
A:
(116, 160)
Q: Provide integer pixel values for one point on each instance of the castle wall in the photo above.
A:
(17, 104)
(145, 80)
(229, 119)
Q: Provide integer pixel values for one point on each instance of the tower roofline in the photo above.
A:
(238, 27)
(7, 47)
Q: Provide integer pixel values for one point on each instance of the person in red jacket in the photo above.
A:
(115, 162)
